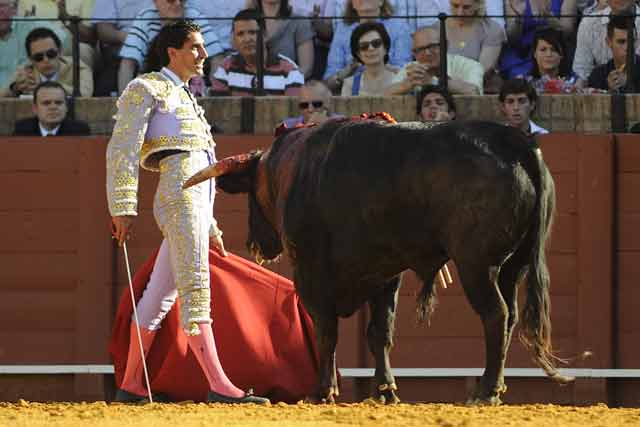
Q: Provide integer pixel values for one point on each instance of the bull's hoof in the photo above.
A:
(486, 401)
(387, 394)
(326, 397)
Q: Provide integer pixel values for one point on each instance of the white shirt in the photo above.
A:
(48, 132)
(536, 130)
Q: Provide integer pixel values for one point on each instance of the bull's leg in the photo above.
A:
(326, 327)
(480, 284)
(510, 275)
(380, 338)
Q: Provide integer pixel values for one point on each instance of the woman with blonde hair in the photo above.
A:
(340, 63)
(471, 34)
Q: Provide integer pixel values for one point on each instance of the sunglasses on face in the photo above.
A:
(423, 49)
(376, 43)
(316, 104)
(50, 53)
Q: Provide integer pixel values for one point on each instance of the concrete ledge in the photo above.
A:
(560, 113)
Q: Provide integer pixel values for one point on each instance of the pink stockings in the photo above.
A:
(133, 380)
(204, 348)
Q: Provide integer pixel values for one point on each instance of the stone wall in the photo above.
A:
(567, 113)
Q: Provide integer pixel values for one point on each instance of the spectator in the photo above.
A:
(50, 109)
(220, 14)
(292, 38)
(340, 63)
(521, 28)
(313, 105)
(494, 8)
(591, 47)
(435, 105)
(12, 36)
(472, 35)
(464, 75)
(237, 75)
(147, 25)
(64, 10)
(112, 19)
(550, 73)
(44, 49)
(518, 101)
(370, 44)
(612, 76)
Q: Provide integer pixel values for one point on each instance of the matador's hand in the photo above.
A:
(121, 228)
(217, 243)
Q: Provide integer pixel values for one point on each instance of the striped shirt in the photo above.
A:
(148, 24)
(236, 78)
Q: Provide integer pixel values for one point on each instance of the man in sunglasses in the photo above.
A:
(464, 75)
(43, 47)
(50, 109)
(313, 105)
(12, 36)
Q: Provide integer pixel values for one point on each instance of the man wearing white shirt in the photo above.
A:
(518, 102)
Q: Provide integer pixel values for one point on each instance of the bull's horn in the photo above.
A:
(224, 166)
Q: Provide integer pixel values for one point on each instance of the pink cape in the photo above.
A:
(264, 336)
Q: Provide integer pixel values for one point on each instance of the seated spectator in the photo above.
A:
(550, 73)
(112, 20)
(50, 109)
(472, 35)
(215, 10)
(12, 36)
(518, 101)
(313, 104)
(612, 76)
(435, 105)
(370, 47)
(465, 75)
(522, 25)
(237, 75)
(591, 45)
(147, 25)
(340, 63)
(64, 10)
(292, 38)
(44, 49)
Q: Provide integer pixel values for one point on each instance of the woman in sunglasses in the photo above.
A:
(370, 45)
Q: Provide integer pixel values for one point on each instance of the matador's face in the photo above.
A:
(191, 56)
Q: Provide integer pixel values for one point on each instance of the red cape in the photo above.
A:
(264, 336)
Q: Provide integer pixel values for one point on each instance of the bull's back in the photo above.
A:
(401, 186)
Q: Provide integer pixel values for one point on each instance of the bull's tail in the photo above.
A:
(536, 323)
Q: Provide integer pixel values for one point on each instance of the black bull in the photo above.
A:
(356, 203)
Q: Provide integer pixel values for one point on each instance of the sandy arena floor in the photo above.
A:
(282, 415)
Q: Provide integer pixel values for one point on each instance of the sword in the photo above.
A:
(135, 316)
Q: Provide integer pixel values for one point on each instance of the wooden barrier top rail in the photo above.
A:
(348, 372)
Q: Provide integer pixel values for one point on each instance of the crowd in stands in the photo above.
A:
(341, 47)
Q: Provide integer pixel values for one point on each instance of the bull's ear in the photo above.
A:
(229, 165)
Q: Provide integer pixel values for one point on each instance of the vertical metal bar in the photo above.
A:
(631, 54)
(75, 54)
(618, 112)
(443, 80)
(260, 58)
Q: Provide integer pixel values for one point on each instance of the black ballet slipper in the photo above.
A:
(123, 396)
(248, 397)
